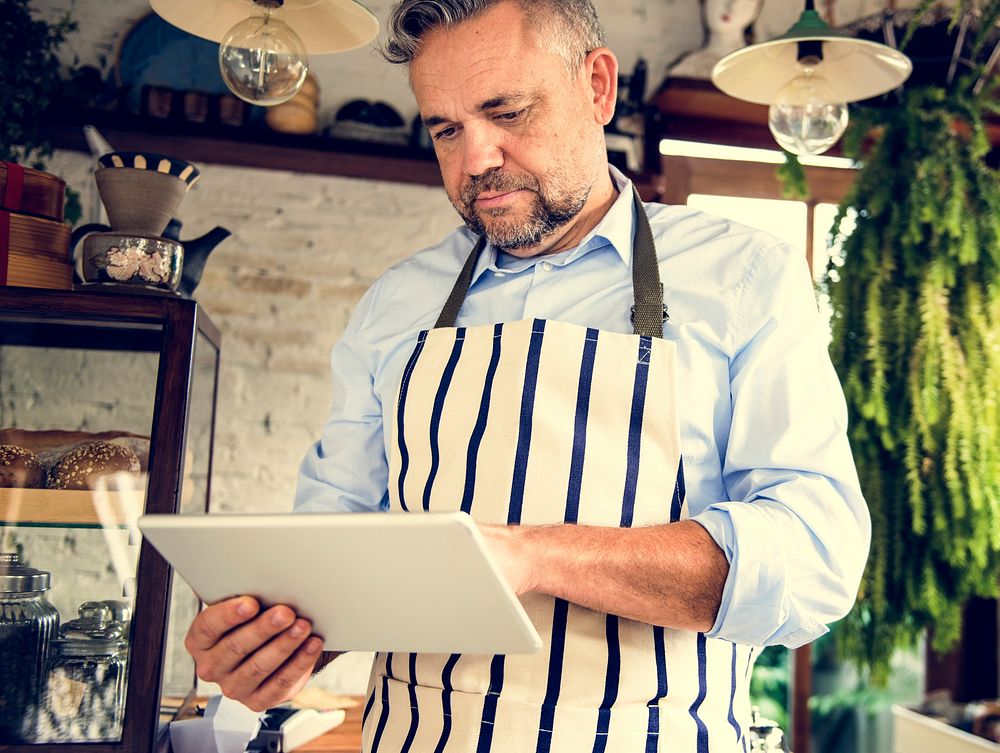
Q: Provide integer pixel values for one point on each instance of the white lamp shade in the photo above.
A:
(324, 25)
(856, 69)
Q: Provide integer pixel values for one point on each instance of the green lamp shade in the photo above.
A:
(856, 69)
(323, 25)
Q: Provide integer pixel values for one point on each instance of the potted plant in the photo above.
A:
(916, 341)
(30, 84)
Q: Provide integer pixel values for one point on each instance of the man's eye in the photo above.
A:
(444, 134)
(511, 117)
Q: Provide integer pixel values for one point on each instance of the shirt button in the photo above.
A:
(500, 273)
(547, 266)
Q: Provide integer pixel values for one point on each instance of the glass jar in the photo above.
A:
(28, 623)
(85, 692)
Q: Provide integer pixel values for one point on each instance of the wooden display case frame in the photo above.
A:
(151, 323)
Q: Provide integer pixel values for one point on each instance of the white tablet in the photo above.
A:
(421, 582)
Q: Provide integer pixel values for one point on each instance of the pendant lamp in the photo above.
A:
(808, 75)
(264, 45)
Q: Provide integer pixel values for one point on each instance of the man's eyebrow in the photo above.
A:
(433, 120)
(493, 103)
(502, 100)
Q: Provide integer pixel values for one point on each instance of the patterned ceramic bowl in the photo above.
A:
(133, 260)
(185, 171)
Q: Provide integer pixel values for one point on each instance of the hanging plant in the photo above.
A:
(916, 342)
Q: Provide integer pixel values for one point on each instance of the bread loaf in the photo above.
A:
(20, 468)
(80, 468)
(51, 444)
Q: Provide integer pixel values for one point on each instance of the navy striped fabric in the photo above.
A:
(490, 705)
(524, 429)
(732, 700)
(580, 427)
(635, 430)
(404, 387)
(610, 684)
(472, 459)
(383, 716)
(442, 392)
(449, 667)
(557, 650)
(653, 726)
(557, 643)
(702, 692)
(561, 608)
(472, 456)
(514, 513)
(414, 711)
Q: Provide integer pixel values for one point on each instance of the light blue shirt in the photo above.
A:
(763, 421)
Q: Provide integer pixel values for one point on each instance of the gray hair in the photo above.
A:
(572, 26)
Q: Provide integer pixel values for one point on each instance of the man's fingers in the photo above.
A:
(255, 670)
(284, 683)
(214, 621)
(243, 641)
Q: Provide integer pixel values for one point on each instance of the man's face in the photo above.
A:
(517, 137)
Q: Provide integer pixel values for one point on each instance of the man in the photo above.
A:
(557, 414)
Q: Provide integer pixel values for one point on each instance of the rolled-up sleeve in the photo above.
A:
(796, 529)
(346, 470)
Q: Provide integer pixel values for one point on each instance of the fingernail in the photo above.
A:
(298, 630)
(279, 618)
(313, 646)
(244, 609)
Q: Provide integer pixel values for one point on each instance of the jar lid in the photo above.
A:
(18, 578)
(95, 631)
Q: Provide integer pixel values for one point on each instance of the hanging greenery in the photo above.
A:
(916, 342)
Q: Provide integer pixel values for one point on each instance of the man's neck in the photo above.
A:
(602, 197)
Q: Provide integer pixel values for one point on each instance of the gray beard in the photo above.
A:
(547, 214)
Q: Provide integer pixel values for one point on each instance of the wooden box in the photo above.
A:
(31, 191)
(34, 241)
(34, 252)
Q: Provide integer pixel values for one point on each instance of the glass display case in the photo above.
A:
(107, 412)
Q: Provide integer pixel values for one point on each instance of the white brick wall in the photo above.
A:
(304, 249)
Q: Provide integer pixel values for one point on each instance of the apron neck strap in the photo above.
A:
(648, 314)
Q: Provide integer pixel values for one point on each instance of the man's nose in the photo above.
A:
(482, 150)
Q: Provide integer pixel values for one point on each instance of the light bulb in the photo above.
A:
(806, 116)
(263, 61)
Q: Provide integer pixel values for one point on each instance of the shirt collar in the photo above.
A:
(616, 228)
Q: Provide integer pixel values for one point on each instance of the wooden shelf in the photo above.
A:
(249, 147)
(58, 508)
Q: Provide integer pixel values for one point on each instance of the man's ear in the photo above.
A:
(601, 66)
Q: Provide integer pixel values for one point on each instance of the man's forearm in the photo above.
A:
(670, 575)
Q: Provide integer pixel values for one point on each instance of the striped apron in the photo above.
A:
(539, 422)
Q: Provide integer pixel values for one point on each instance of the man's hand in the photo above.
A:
(509, 550)
(258, 659)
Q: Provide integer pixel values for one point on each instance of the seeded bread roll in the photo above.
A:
(20, 468)
(81, 468)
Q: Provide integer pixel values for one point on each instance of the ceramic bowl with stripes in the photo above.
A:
(185, 171)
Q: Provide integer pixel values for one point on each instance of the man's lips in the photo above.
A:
(489, 199)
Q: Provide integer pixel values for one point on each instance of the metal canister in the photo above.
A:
(28, 623)
(85, 695)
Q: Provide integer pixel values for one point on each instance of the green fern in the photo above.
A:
(916, 341)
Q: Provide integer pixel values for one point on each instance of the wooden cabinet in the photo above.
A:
(146, 367)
